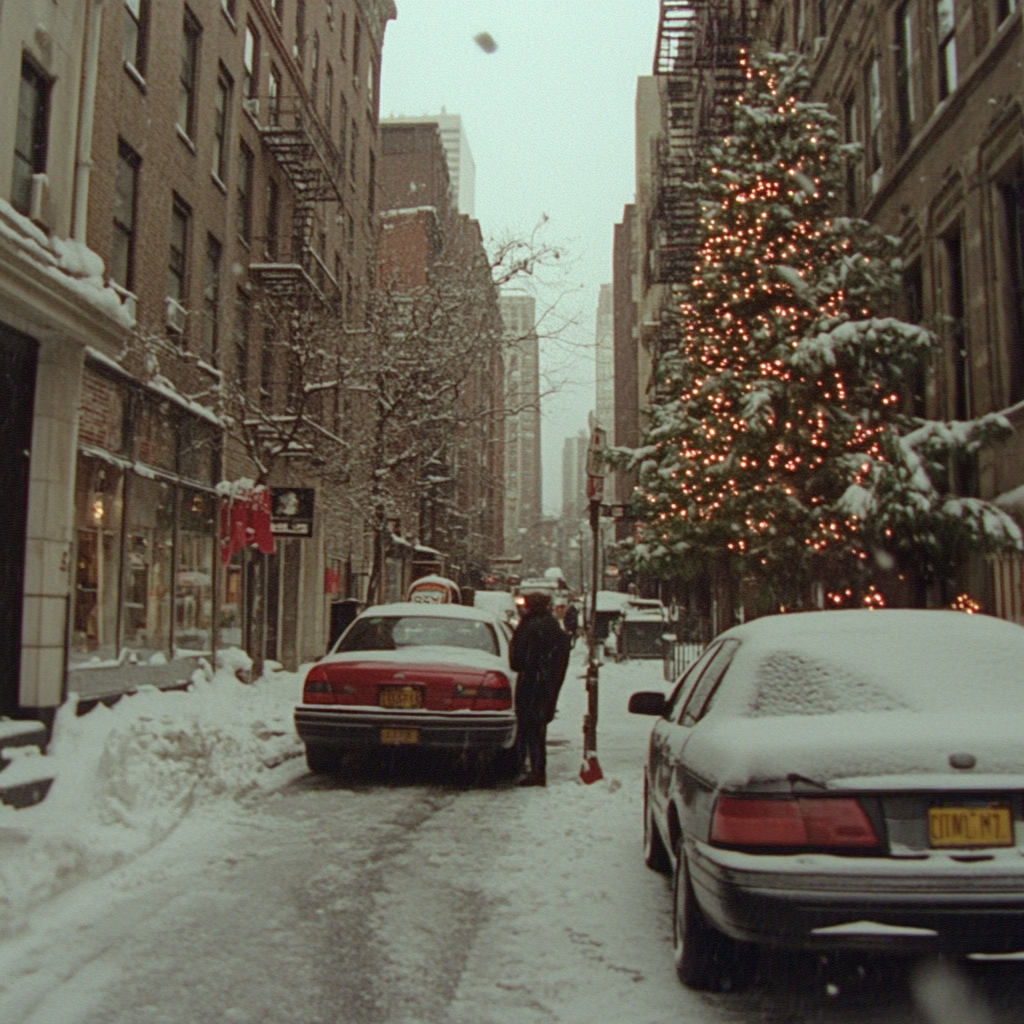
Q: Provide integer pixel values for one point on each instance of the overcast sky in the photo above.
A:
(549, 119)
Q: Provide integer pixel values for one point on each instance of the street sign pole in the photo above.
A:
(590, 770)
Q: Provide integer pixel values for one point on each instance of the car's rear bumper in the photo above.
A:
(826, 902)
(362, 727)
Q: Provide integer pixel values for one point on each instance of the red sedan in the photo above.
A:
(411, 675)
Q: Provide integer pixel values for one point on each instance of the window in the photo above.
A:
(1013, 219)
(321, 252)
(314, 77)
(1004, 8)
(873, 142)
(211, 300)
(273, 203)
(328, 96)
(371, 76)
(822, 17)
(945, 15)
(371, 187)
(300, 29)
(243, 209)
(122, 250)
(230, 8)
(343, 34)
(353, 150)
(267, 367)
(851, 136)
(913, 308)
(277, 6)
(342, 131)
(30, 135)
(181, 215)
(357, 45)
(955, 308)
(242, 319)
(133, 38)
(350, 234)
(274, 96)
(187, 75)
(251, 63)
(221, 105)
(904, 54)
(686, 681)
(699, 701)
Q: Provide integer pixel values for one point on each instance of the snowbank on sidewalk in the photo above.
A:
(126, 776)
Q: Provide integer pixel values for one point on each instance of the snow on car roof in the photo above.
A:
(882, 660)
(433, 611)
(831, 695)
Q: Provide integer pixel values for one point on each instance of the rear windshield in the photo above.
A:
(395, 632)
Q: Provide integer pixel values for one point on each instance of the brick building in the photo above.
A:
(214, 165)
(934, 94)
(54, 306)
(523, 477)
(433, 253)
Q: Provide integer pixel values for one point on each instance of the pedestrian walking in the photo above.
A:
(571, 622)
(540, 654)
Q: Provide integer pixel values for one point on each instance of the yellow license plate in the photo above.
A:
(396, 737)
(400, 697)
(969, 826)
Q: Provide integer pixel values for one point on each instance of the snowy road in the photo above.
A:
(330, 900)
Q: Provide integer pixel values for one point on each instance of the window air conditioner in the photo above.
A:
(39, 203)
(176, 314)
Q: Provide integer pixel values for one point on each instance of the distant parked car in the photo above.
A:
(841, 780)
(498, 602)
(411, 675)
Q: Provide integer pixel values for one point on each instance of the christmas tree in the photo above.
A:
(780, 445)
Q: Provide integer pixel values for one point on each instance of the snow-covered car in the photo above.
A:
(841, 779)
(411, 675)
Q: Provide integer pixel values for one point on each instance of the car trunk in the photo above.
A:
(402, 687)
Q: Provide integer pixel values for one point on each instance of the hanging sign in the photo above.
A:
(291, 511)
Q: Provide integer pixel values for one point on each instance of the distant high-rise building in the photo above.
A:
(461, 168)
(605, 362)
(523, 508)
(574, 476)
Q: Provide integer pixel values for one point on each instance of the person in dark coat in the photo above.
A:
(540, 654)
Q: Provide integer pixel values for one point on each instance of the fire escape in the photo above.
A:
(312, 166)
(697, 57)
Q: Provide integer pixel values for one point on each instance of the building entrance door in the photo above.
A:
(18, 358)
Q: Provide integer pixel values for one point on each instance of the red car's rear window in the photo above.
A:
(395, 632)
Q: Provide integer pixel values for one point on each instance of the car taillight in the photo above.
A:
(793, 822)
(317, 688)
(494, 689)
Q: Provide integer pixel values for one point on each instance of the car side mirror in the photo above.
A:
(647, 702)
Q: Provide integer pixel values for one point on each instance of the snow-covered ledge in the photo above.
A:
(58, 283)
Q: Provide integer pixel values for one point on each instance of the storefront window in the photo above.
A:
(193, 597)
(99, 490)
(149, 540)
(231, 604)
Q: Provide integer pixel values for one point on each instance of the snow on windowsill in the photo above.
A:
(71, 264)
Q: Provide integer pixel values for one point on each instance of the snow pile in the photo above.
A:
(126, 776)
